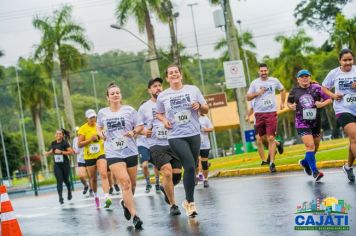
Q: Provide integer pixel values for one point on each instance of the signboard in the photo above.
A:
(216, 100)
(250, 135)
(234, 74)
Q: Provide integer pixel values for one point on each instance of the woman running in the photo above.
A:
(206, 128)
(307, 99)
(343, 79)
(118, 125)
(60, 149)
(177, 108)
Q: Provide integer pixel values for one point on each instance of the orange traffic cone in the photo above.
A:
(9, 224)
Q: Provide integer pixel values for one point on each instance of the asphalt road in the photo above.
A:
(254, 205)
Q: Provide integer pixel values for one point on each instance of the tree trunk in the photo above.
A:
(40, 140)
(68, 107)
(174, 46)
(152, 51)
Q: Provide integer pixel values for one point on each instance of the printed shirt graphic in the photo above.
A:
(147, 114)
(306, 114)
(342, 81)
(92, 150)
(204, 140)
(78, 150)
(267, 101)
(177, 106)
(116, 125)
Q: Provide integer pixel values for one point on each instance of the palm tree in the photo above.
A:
(140, 10)
(344, 34)
(35, 96)
(60, 38)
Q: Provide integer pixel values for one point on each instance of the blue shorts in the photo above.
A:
(144, 154)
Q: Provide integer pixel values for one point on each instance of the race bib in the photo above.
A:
(161, 133)
(309, 114)
(119, 143)
(267, 102)
(350, 99)
(94, 148)
(182, 117)
(58, 158)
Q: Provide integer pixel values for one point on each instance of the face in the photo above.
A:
(304, 81)
(263, 72)
(173, 75)
(114, 95)
(92, 120)
(346, 61)
(155, 89)
(59, 135)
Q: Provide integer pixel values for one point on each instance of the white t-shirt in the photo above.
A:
(342, 81)
(79, 151)
(204, 136)
(267, 101)
(141, 140)
(116, 125)
(177, 106)
(147, 114)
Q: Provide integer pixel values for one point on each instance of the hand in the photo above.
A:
(94, 138)
(338, 96)
(353, 85)
(102, 135)
(167, 124)
(147, 133)
(57, 151)
(196, 106)
(130, 134)
(293, 106)
(247, 118)
(282, 106)
(261, 91)
(319, 104)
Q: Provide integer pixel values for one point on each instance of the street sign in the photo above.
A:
(250, 135)
(234, 74)
(216, 100)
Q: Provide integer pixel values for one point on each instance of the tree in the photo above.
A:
(1, 67)
(344, 34)
(12, 144)
(60, 38)
(319, 14)
(140, 10)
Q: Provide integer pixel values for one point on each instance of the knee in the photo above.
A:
(167, 172)
(125, 184)
(310, 146)
(145, 165)
(176, 178)
(270, 139)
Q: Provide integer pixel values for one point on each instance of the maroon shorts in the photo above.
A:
(266, 123)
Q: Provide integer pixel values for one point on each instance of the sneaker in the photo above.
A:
(148, 188)
(97, 202)
(206, 184)
(201, 177)
(174, 211)
(306, 167)
(61, 200)
(117, 188)
(190, 208)
(111, 190)
(349, 172)
(108, 203)
(264, 163)
(85, 190)
(165, 195)
(91, 193)
(268, 159)
(69, 197)
(137, 222)
(318, 175)
(127, 213)
(272, 168)
(280, 147)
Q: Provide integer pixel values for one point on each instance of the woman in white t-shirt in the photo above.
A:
(343, 79)
(177, 108)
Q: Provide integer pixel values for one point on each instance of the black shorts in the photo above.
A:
(161, 155)
(80, 164)
(309, 131)
(204, 153)
(130, 161)
(345, 118)
(92, 162)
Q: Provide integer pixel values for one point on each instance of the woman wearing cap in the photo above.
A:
(118, 125)
(307, 99)
(177, 108)
(94, 156)
(60, 149)
(343, 79)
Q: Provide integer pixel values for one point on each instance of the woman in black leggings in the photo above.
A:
(60, 149)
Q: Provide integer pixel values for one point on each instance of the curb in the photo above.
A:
(281, 168)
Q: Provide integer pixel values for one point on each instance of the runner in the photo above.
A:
(263, 90)
(205, 128)
(94, 157)
(161, 154)
(117, 125)
(177, 108)
(60, 149)
(307, 99)
(343, 79)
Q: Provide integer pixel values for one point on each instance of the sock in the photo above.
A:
(270, 163)
(106, 196)
(347, 167)
(148, 181)
(310, 157)
(95, 194)
(157, 180)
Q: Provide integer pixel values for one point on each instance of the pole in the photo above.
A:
(94, 88)
(56, 103)
(5, 156)
(245, 57)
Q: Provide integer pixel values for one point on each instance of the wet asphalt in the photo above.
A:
(253, 205)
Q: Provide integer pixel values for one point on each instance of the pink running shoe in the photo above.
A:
(97, 202)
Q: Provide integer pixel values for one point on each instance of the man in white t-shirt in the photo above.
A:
(262, 90)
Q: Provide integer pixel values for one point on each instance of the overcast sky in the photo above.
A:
(265, 19)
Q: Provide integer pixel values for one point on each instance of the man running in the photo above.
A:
(205, 128)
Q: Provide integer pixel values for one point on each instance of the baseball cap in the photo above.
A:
(152, 81)
(303, 72)
(90, 113)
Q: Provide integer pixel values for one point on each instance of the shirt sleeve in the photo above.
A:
(136, 118)
(251, 89)
(291, 96)
(323, 95)
(208, 123)
(66, 145)
(100, 119)
(329, 80)
(200, 97)
(81, 131)
(160, 105)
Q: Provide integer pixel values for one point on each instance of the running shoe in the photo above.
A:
(158, 189)
(165, 195)
(349, 172)
(69, 197)
(272, 168)
(111, 190)
(91, 193)
(174, 211)
(306, 167)
(318, 175)
(280, 147)
(117, 188)
(108, 203)
(148, 188)
(61, 200)
(201, 177)
(264, 163)
(206, 184)
(190, 208)
(97, 202)
(137, 222)
(127, 213)
(85, 190)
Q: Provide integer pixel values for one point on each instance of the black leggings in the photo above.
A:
(61, 171)
(187, 150)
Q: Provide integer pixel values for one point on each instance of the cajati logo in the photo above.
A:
(322, 214)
